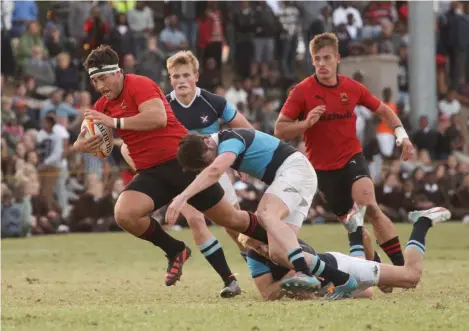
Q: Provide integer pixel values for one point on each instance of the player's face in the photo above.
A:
(183, 79)
(109, 85)
(325, 62)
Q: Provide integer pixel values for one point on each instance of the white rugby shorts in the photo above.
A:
(366, 272)
(295, 183)
(227, 185)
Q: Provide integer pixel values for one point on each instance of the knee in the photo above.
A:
(126, 217)
(196, 222)
(372, 211)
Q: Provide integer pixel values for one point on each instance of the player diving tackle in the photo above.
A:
(268, 276)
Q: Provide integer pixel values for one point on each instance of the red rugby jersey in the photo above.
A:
(146, 148)
(331, 141)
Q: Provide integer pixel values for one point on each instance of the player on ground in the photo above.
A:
(200, 111)
(321, 108)
(137, 109)
(268, 275)
(285, 204)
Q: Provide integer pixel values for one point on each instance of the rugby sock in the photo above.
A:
(377, 258)
(417, 237)
(320, 269)
(255, 230)
(356, 243)
(213, 252)
(297, 258)
(159, 237)
(393, 249)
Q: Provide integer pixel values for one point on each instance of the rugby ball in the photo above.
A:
(92, 129)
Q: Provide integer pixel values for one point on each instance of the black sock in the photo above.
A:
(213, 252)
(377, 258)
(417, 237)
(321, 269)
(393, 249)
(244, 255)
(297, 258)
(356, 243)
(159, 237)
(255, 230)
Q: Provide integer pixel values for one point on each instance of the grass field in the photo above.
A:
(115, 282)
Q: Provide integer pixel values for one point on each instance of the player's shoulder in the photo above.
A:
(349, 82)
(139, 83)
(306, 83)
(213, 99)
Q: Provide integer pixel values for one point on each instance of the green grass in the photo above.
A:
(115, 282)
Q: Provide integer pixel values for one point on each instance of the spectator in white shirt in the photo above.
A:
(450, 105)
(236, 94)
(339, 15)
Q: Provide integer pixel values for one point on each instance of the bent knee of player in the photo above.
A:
(127, 216)
(363, 192)
(196, 222)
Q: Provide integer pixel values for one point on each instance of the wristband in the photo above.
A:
(118, 123)
(400, 134)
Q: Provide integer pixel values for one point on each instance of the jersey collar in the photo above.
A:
(328, 86)
(173, 97)
(214, 136)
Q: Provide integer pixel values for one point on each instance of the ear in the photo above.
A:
(196, 77)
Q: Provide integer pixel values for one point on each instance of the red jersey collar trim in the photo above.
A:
(328, 86)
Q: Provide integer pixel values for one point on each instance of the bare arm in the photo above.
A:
(209, 175)
(288, 129)
(387, 115)
(152, 116)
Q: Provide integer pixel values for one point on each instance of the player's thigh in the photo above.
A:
(367, 273)
(335, 191)
(295, 185)
(358, 178)
(145, 193)
(178, 180)
(225, 214)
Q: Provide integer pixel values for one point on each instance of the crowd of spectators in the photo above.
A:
(250, 52)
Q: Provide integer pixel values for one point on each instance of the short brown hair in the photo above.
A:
(191, 152)
(183, 58)
(323, 40)
(101, 56)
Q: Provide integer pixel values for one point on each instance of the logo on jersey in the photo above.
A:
(123, 106)
(321, 98)
(204, 119)
(344, 97)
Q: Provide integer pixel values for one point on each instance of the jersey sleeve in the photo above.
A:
(224, 110)
(367, 98)
(257, 264)
(144, 89)
(295, 103)
(230, 141)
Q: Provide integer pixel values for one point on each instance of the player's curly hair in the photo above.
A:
(323, 40)
(101, 56)
(191, 152)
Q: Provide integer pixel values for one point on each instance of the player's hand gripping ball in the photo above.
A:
(90, 129)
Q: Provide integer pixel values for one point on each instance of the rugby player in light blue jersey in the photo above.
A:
(285, 204)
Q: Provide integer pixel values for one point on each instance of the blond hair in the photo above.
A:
(323, 40)
(182, 58)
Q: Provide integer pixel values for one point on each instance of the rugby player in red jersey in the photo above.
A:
(137, 109)
(321, 108)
